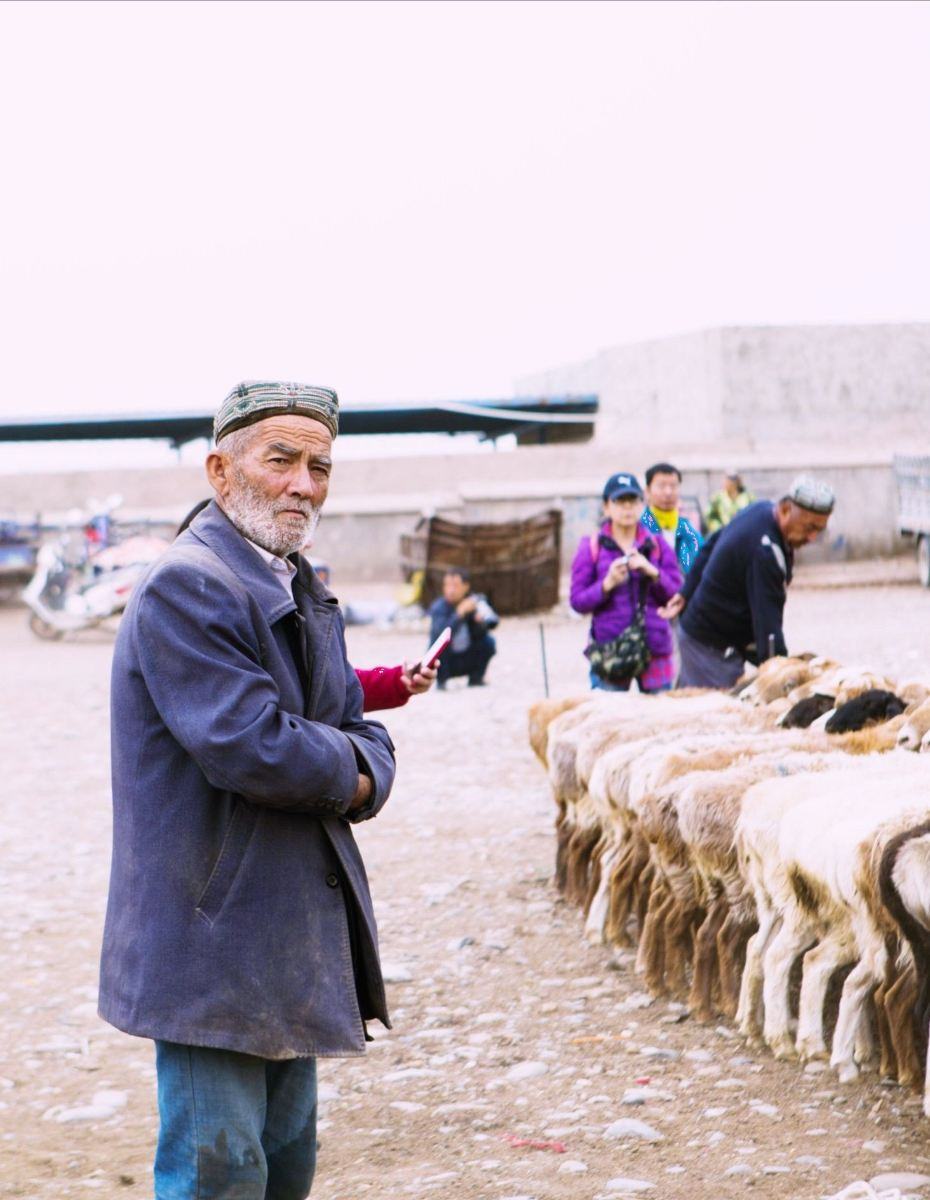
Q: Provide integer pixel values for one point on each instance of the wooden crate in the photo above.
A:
(514, 563)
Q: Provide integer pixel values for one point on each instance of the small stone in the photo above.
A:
(573, 1166)
(406, 1106)
(395, 973)
(459, 943)
(632, 1186)
(875, 1146)
(809, 1160)
(643, 1095)
(906, 1181)
(713, 1112)
(637, 1000)
(627, 1127)
(739, 1169)
(764, 1110)
(815, 1068)
(664, 1053)
(103, 1104)
(702, 1056)
(730, 1083)
(526, 1070)
(408, 1073)
(675, 1170)
(776, 1170)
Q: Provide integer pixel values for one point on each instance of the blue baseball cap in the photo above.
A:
(622, 484)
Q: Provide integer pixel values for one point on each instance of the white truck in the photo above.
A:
(912, 476)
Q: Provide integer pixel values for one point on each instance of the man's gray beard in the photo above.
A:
(254, 516)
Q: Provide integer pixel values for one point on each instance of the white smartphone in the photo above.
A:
(432, 655)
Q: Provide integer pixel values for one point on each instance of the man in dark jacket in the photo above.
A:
(470, 617)
(239, 931)
(733, 599)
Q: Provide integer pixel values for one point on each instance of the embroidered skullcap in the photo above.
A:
(812, 494)
(255, 400)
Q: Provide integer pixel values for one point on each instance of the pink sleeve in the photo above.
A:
(382, 688)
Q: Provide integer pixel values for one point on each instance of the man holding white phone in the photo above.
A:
(470, 617)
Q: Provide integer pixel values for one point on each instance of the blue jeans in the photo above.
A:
(472, 662)
(603, 685)
(233, 1127)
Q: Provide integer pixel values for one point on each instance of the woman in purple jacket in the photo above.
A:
(606, 582)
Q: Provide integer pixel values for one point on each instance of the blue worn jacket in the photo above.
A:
(239, 914)
(688, 541)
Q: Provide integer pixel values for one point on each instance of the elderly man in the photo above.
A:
(239, 931)
(733, 598)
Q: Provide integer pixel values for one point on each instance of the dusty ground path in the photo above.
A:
(507, 1026)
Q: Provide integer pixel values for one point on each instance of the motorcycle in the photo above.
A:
(81, 579)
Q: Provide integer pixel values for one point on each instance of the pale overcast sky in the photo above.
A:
(427, 200)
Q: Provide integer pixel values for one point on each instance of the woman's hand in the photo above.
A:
(419, 682)
(618, 572)
(639, 562)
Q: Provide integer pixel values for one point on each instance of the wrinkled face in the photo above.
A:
(664, 491)
(624, 511)
(454, 587)
(272, 478)
(798, 525)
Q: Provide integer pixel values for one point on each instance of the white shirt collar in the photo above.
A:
(284, 569)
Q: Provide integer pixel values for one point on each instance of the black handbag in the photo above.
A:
(626, 656)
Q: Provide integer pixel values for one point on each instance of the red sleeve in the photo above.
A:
(382, 688)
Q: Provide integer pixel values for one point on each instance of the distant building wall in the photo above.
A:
(750, 386)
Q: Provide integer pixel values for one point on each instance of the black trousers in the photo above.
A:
(472, 662)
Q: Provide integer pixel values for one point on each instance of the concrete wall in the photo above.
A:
(361, 528)
(749, 387)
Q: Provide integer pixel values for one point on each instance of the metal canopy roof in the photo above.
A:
(490, 418)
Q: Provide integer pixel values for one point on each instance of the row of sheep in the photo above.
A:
(731, 834)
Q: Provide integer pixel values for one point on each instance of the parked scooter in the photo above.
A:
(81, 580)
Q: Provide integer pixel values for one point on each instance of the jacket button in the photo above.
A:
(332, 880)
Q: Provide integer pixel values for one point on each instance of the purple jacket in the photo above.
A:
(612, 613)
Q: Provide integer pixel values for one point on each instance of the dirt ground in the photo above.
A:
(491, 971)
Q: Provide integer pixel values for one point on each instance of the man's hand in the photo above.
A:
(362, 793)
(675, 606)
(466, 606)
(421, 681)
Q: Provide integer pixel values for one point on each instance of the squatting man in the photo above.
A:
(239, 933)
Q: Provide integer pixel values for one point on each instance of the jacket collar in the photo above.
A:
(214, 529)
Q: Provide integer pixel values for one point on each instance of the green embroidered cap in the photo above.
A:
(254, 400)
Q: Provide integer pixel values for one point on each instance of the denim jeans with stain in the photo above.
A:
(232, 1126)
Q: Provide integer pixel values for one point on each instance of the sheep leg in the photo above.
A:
(650, 959)
(852, 1028)
(731, 943)
(749, 1013)
(594, 880)
(562, 838)
(622, 887)
(700, 1000)
(888, 1062)
(583, 843)
(679, 925)
(795, 936)
(596, 921)
(900, 999)
(647, 880)
(834, 951)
